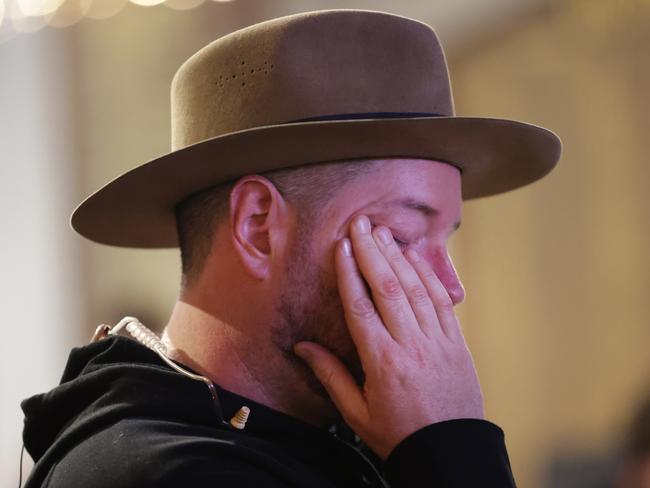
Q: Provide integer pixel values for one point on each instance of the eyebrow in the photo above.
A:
(421, 207)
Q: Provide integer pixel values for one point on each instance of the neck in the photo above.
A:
(244, 360)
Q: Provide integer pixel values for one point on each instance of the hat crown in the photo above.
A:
(234, 101)
(306, 66)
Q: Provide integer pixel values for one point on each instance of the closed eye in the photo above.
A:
(401, 244)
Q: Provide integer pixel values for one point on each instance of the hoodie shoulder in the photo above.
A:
(158, 453)
(103, 384)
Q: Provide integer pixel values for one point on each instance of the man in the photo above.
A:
(316, 176)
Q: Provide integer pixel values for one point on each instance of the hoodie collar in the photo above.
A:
(104, 381)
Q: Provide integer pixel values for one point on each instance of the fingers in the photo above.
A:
(364, 324)
(407, 293)
(441, 300)
(413, 287)
(387, 292)
(337, 380)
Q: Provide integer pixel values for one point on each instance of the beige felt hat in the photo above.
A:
(314, 87)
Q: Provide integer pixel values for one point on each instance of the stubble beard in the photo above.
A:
(309, 308)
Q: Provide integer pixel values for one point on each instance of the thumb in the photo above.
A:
(336, 379)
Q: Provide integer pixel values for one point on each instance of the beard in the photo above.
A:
(309, 308)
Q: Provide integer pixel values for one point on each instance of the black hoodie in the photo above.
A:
(122, 418)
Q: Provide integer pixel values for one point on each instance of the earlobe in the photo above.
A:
(253, 218)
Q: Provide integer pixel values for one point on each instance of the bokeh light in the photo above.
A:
(103, 9)
(28, 23)
(183, 4)
(25, 16)
(34, 8)
(70, 12)
(147, 3)
(7, 30)
(11, 9)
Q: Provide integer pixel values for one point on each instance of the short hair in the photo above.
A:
(308, 188)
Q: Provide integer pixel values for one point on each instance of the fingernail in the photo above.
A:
(363, 224)
(384, 235)
(347, 248)
(412, 255)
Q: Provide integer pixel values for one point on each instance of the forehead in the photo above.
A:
(435, 183)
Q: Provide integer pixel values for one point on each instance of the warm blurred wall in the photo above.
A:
(40, 289)
(125, 68)
(558, 274)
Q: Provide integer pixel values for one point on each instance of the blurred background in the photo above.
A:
(557, 274)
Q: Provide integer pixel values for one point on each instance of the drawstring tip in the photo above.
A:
(240, 418)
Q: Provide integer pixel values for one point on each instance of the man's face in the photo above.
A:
(419, 200)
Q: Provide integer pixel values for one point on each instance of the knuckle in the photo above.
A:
(390, 288)
(444, 303)
(462, 362)
(428, 273)
(367, 244)
(417, 294)
(394, 256)
(387, 360)
(363, 308)
(456, 353)
(394, 366)
(421, 356)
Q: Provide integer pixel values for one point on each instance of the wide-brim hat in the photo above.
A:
(323, 86)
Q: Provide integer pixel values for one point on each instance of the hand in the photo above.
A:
(418, 369)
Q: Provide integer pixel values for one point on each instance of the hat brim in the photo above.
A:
(136, 209)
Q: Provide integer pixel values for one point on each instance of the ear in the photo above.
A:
(259, 220)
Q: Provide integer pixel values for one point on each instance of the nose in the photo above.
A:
(444, 268)
(456, 291)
